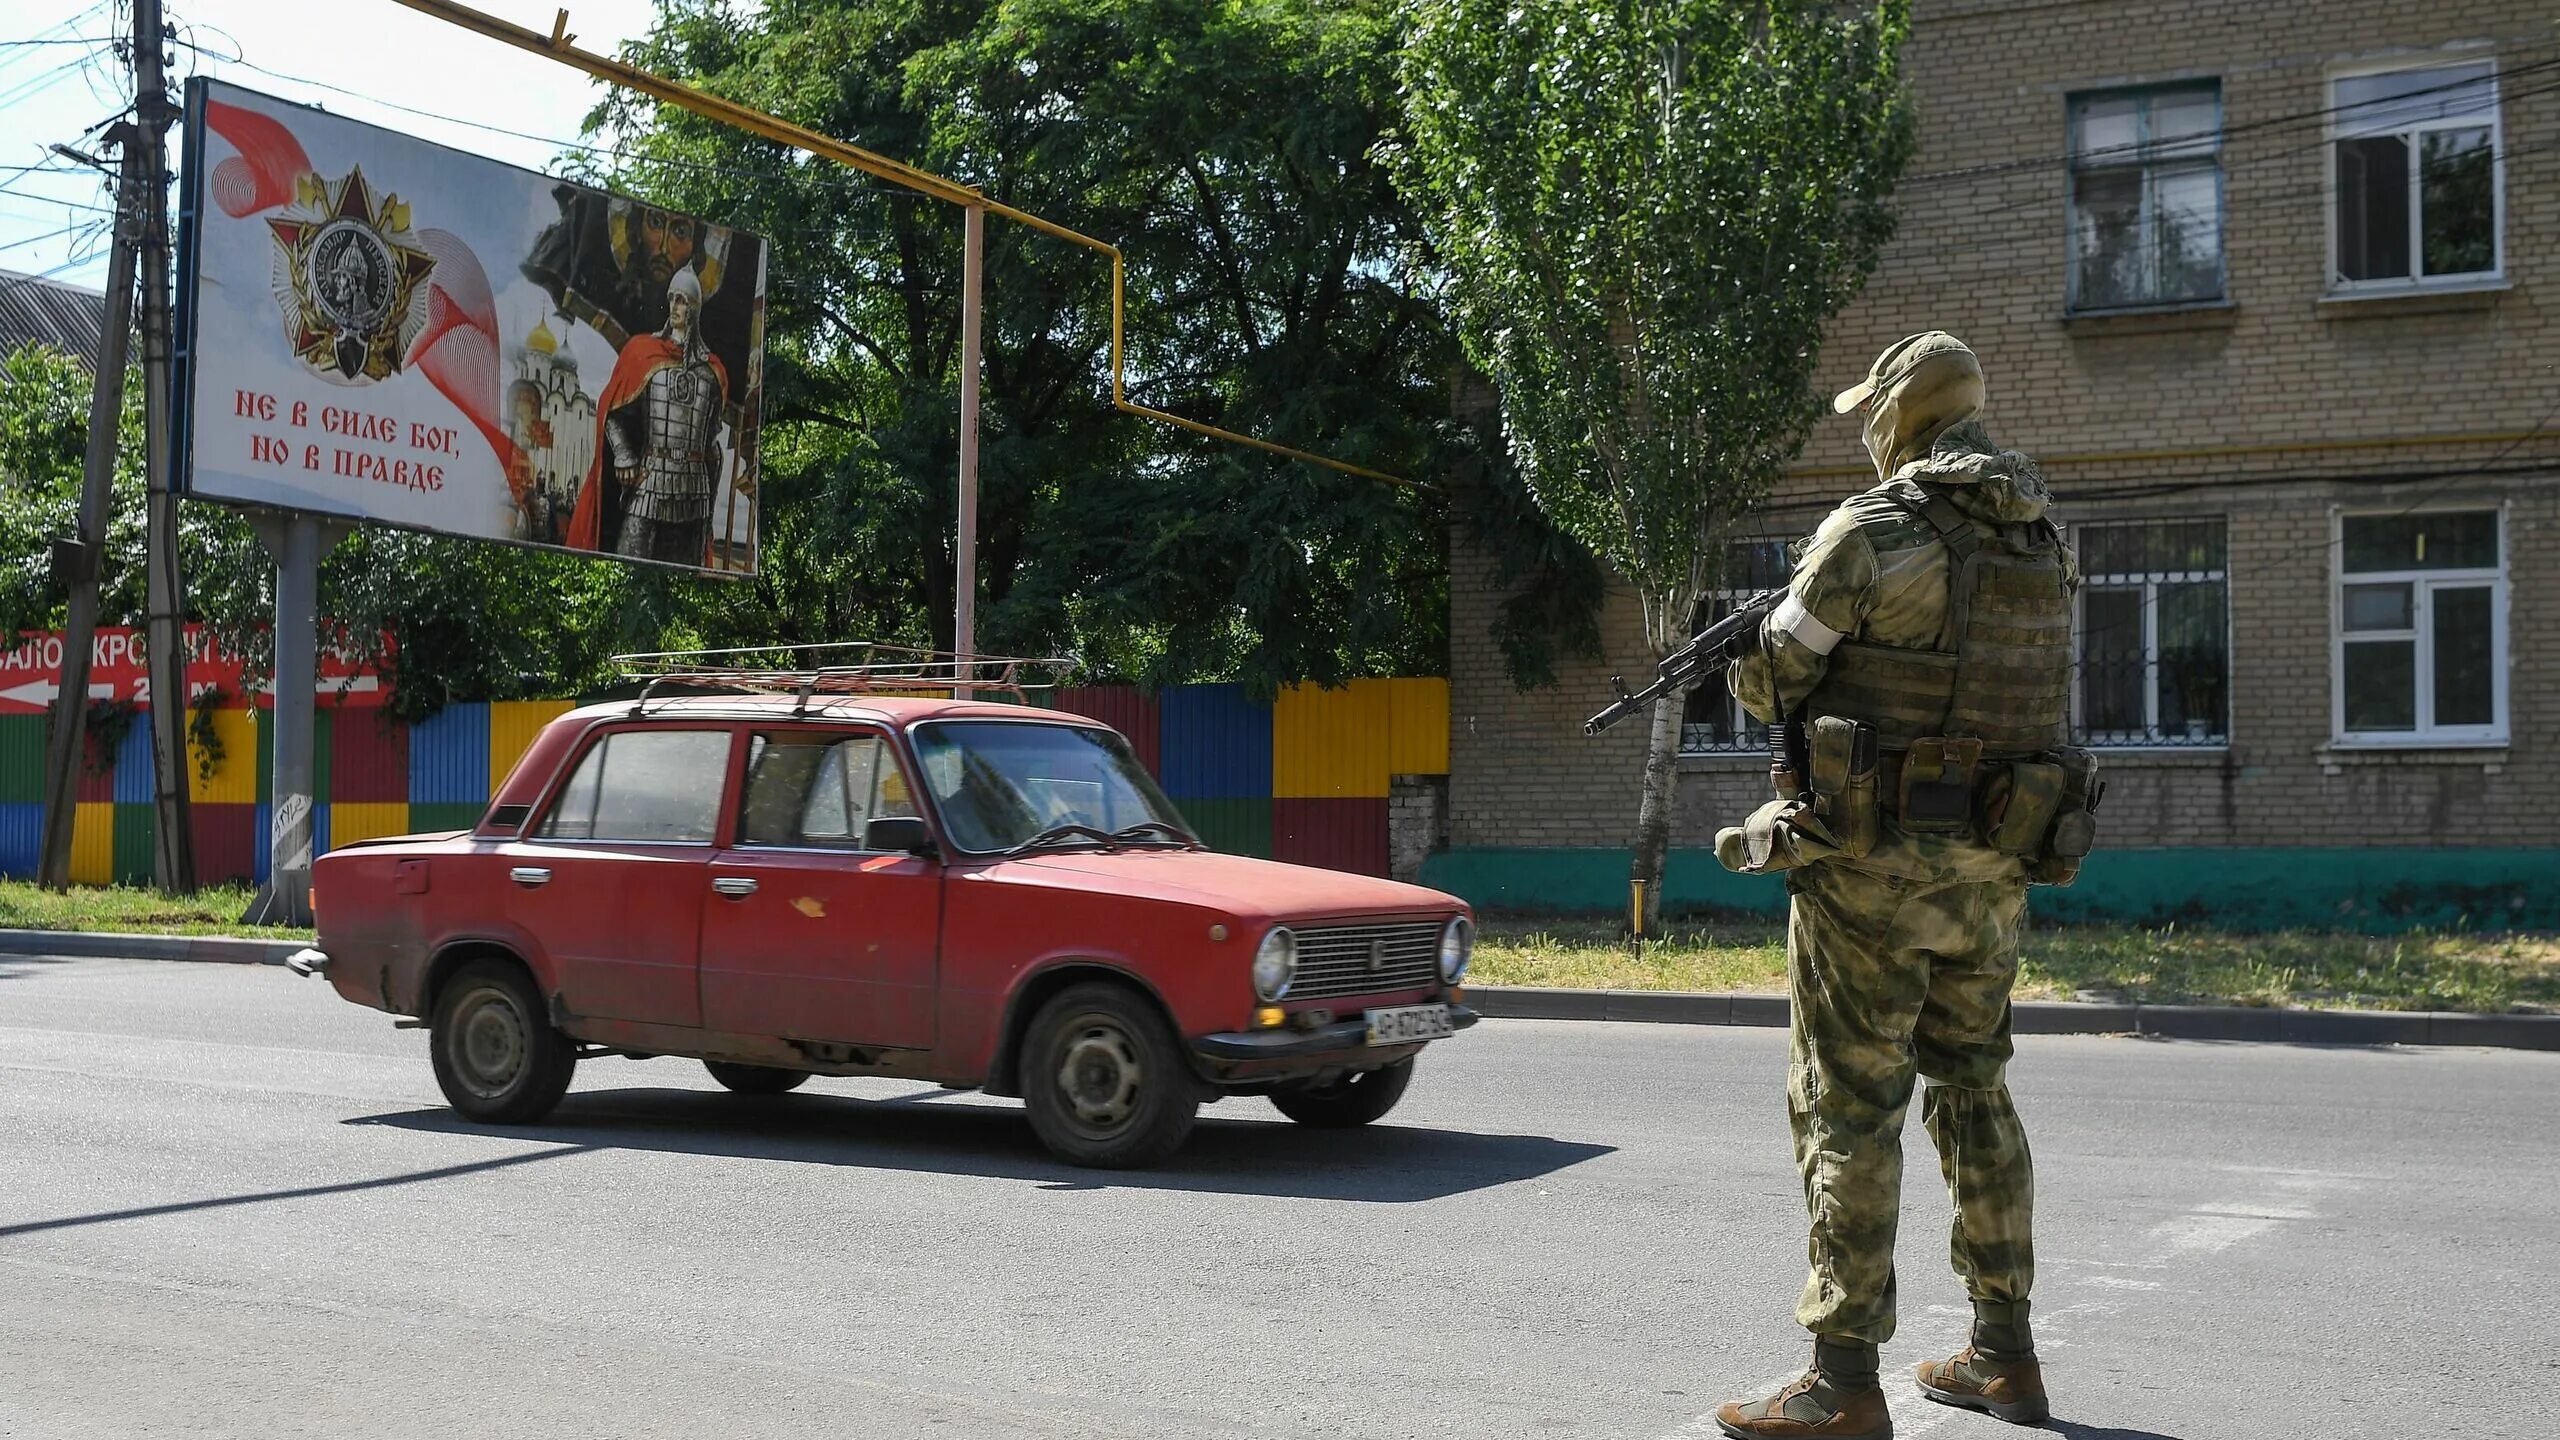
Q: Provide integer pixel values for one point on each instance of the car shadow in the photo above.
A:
(12, 967)
(1384, 1164)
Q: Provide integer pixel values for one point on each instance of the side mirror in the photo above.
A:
(901, 833)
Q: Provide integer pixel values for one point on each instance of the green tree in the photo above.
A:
(1648, 210)
(1276, 287)
(44, 437)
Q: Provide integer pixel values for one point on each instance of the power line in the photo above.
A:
(43, 81)
(48, 235)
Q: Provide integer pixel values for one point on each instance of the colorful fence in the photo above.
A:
(1305, 779)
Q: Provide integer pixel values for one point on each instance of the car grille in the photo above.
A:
(1366, 959)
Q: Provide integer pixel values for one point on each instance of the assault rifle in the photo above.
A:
(1713, 648)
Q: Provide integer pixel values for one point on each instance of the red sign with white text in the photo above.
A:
(31, 674)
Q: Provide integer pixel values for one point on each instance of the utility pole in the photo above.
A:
(77, 559)
(964, 583)
(173, 851)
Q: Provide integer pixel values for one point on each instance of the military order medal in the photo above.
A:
(345, 278)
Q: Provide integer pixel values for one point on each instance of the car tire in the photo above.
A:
(1105, 1081)
(755, 1079)
(1350, 1101)
(497, 1057)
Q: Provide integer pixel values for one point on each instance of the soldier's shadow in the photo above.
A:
(2075, 1431)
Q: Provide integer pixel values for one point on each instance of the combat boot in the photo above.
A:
(1996, 1374)
(1838, 1399)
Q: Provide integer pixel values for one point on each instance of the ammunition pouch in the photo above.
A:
(2018, 803)
(1845, 761)
(2074, 832)
(1936, 793)
(1781, 835)
(2040, 808)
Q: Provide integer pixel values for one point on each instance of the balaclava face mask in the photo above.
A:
(1904, 419)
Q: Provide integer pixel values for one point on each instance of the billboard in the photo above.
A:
(392, 331)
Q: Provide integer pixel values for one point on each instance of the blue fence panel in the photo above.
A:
(264, 842)
(21, 839)
(133, 763)
(1216, 742)
(449, 757)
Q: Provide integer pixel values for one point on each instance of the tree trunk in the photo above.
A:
(1653, 814)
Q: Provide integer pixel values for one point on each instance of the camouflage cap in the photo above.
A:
(1904, 358)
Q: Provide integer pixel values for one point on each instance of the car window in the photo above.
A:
(643, 785)
(810, 788)
(998, 783)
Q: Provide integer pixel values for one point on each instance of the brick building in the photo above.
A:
(2262, 287)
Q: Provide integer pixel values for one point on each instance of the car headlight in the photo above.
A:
(1275, 963)
(1457, 946)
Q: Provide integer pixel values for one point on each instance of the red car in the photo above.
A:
(979, 895)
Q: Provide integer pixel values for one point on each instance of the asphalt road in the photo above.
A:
(231, 1204)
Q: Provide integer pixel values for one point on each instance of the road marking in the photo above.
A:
(2284, 1197)
(2209, 1233)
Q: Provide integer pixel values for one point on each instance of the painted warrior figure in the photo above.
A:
(657, 423)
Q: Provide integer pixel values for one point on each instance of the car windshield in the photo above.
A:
(1000, 784)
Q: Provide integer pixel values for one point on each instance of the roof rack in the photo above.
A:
(849, 667)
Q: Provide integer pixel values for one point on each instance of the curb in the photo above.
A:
(1660, 1007)
(2057, 1017)
(215, 949)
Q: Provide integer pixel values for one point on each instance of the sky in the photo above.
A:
(51, 93)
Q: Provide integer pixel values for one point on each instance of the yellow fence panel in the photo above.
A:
(93, 844)
(1331, 744)
(1418, 727)
(512, 726)
(235, 775)
(351, 821)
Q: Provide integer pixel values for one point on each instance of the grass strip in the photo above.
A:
(2157, 965)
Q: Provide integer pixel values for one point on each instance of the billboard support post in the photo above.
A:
(79, 561)
(297, 539)
(964, 583)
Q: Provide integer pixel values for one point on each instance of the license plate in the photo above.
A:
(1406, 1024)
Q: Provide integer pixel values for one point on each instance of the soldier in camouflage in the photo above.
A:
(1928, 618)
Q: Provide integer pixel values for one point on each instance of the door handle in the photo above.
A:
(529, 875)
(734, 886)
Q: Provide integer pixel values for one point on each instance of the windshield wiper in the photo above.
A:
(1165, 828)
(1056, 833)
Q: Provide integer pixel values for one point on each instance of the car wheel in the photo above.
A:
(755, 1079)
(497, 1057)
(1352, 1100)
(1105, 1081)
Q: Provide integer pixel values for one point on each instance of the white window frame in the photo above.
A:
(2423, 583)
(2142, 160)
(1742, 724)
(2343, 128)
(2149, 737)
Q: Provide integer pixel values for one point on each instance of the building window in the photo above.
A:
(2155, 650)
(2416, 171)
(1713, 722)
(2421, 620)
(2146, 197)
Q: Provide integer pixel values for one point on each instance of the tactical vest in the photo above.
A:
(2001, 672)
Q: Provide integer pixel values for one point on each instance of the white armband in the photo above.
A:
(1797, 623)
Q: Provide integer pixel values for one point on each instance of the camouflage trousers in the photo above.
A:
(1894, 971)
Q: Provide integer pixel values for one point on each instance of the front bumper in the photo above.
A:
(1325, 1042)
